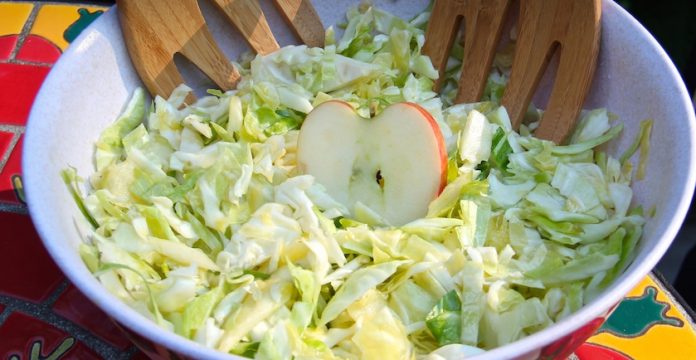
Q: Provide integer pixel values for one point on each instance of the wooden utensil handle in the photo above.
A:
(154, 33)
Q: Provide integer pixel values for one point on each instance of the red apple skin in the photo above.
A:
(440, 141)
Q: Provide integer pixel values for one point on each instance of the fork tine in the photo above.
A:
(203, 52)
(576, 67)
(304, 20)
(533, 50)
(542, 33)
(165, 81)
(440, 34)
(153, 38)
(248, 18)
(483, 23)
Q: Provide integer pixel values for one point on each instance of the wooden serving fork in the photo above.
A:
(545, 26)
(155, 30)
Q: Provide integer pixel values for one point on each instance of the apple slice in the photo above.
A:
(394, 163)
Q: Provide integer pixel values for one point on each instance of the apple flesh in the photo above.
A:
(394, 163)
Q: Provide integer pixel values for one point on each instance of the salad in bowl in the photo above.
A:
(334, 206)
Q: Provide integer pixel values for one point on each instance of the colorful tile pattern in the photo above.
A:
(75, 307)
(52, 343)
(41, 317)
(14, 16)
(649, 324)
(60, 24)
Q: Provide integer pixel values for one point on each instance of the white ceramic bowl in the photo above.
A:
(88, 86)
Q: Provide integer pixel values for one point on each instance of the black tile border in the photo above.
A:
(685, 308)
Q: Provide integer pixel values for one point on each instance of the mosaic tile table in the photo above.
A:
(42, 316)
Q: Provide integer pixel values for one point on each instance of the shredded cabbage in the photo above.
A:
(203, 223)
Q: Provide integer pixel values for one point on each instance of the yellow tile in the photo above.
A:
(659, 341)
(12, 17)
(53, 20)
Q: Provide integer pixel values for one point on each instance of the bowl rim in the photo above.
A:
(127, 316)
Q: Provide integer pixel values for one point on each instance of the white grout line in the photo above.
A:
(43, 312)
(26, 30)
(24, 62)
(17, 129)
(20, 209)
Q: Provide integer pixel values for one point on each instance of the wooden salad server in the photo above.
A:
(155, 30)
(572, 27)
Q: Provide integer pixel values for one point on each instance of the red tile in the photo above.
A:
(38, 49)
(22, 335)
(589, 351)
(7, 44)
(148, 349)
(140, 356)
(20, 83)
(75, 307)
(161, 355)
(34, 275)
(11, 189)
(5, 139)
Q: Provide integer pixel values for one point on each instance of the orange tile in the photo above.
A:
(57, 23)
(13, 16)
